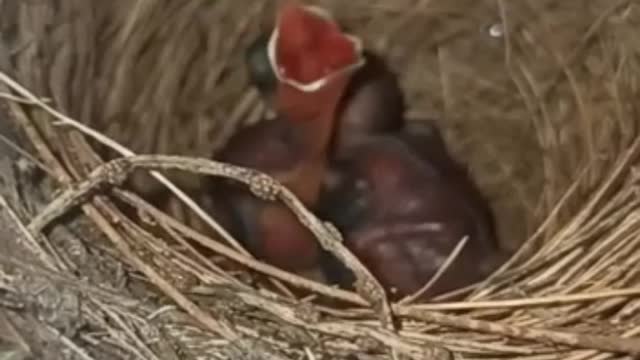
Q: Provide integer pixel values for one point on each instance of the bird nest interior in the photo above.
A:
(538, 98)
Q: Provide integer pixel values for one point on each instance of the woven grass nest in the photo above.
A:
(539, 97)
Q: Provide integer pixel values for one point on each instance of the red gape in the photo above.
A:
(310, 47)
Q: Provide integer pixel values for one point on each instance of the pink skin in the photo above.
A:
(314, 61)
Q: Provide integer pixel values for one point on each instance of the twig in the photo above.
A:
(327, 235)
(131, 334)
(578, 50)
(217, 326)
(529, 302)
(441, 270)
(123, 151)
(70, 344)
(11, 333)
(116, 171)
(603, 343)
(22, 152)
(28, 239)
(249, 262)
(20, 100)
(67, 282)
(174, 227)
(469, 345)
(351, 330)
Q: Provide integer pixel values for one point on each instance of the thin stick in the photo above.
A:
(258, 266)
(214, 325)
(24, 153)
(441, 270)
(530, 302)
(20, 100)
(345, 254)
(80, 352)
(116, 171)
(30, 241)
(603, 343)
(125, 152)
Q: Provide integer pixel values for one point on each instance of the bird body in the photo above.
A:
(403, 205)
(313, 62)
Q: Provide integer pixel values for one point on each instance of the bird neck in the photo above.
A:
(312, 117)
(312, 114)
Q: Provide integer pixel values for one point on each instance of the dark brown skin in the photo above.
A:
(373, 104)
(403, 204)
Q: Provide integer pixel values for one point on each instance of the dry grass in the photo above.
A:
(538, 96)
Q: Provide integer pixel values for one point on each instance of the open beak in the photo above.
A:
(316, 84)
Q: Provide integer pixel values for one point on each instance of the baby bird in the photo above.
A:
(403, 204)
(313, 62)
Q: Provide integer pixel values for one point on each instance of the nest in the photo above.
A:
(538, 96)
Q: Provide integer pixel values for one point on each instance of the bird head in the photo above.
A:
(308, 51)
